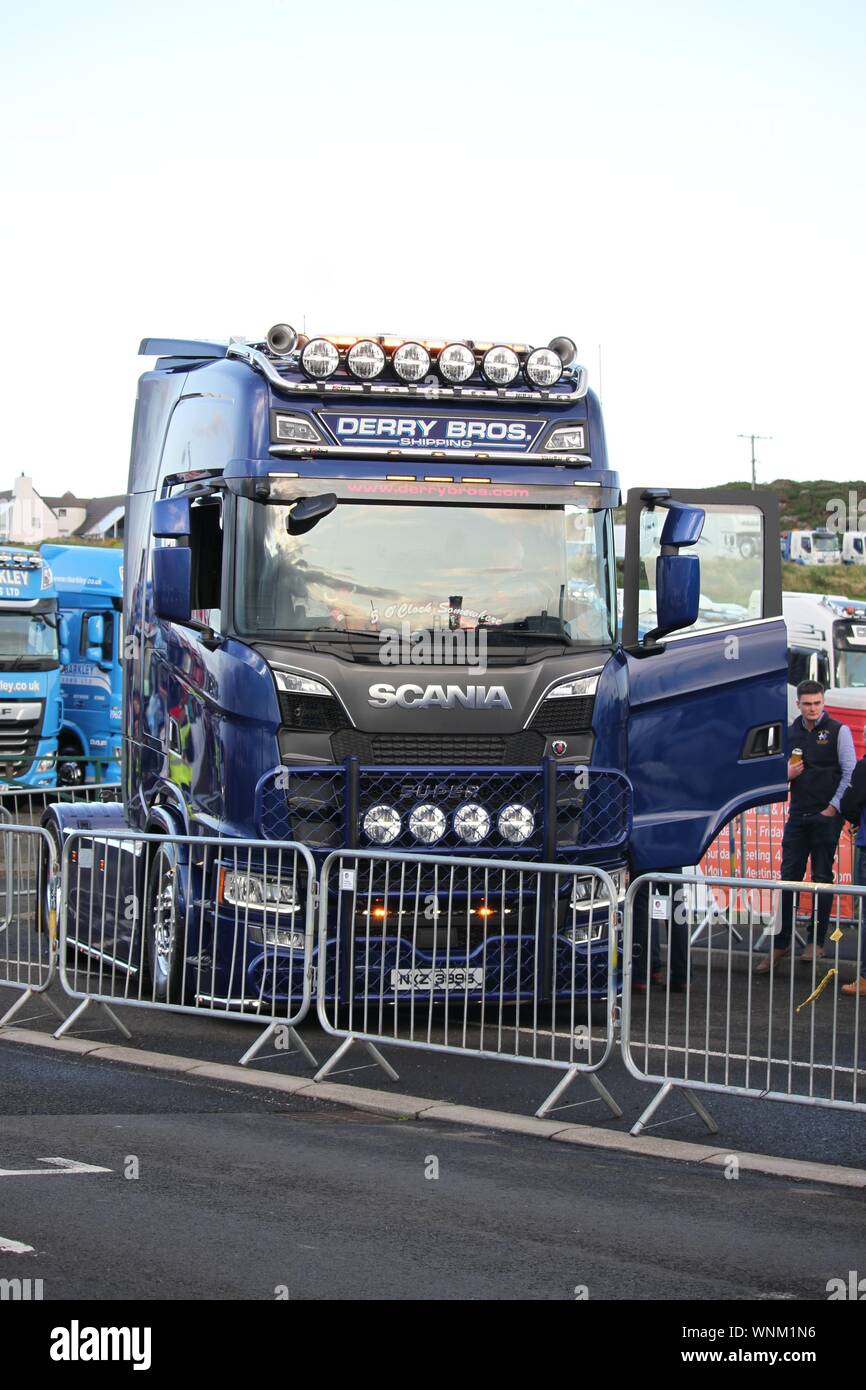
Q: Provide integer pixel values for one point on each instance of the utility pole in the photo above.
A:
(752, 438)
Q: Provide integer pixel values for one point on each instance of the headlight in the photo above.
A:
(567, 437)
(277, 936)
(46, 764)
(365, 360)
(472, 823)
(583, 685)
(382, 825)
(586, 891)
(515, 823)
(293, 429)
(500, 366)
(456, 362)
(320, 359)
(579, 936)
(411, 361)
(427, 823)
(543, 367)
(47, 577)
(258, 892)
(299, 685)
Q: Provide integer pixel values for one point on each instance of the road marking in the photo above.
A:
(61, 1165)
(14, 1247)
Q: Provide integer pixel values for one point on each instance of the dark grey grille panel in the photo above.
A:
(524, 749)
(313, 713)
(572, 715)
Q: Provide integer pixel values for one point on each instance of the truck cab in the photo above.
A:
(818, 547)
(371, 602)
(30, 654)
(826, 642)
(89, 584)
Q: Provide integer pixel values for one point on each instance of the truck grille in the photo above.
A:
(572, 715)
(20, 726)
(312, 713)
(524, 749)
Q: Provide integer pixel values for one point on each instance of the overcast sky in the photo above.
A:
(679, 182)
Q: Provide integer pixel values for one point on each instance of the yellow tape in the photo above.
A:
(836, 935)
(819, 989)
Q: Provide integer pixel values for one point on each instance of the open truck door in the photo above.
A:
(706, 656)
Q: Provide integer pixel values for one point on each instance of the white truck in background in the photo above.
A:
(826, 642)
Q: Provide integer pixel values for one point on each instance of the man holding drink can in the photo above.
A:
(820, 765)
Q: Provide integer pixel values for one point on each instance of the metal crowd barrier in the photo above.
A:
(709, 1021)
(215, 928)
(26, 805)
(474, 957)
(28, 940)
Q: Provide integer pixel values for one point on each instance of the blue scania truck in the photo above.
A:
(89, 584)
(31, 706)
(371, 601)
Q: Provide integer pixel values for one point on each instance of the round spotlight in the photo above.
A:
(500, 365)
(566, 351)
(320, 359)
(471, 823)
(456, 362)
(382, 825)
(411, 361)
(544, 367)
(365, 360)
(427, 823)
(515, 823)
(282, 339)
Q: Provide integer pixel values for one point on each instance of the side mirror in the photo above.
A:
(64, 656)
(308, 511)
(171, 518)
(172, 583)
(95, 630)
(63, 632)
(678, 594)
(94, 654)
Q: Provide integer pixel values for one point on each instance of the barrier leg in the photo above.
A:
(562, 1086)
(296, 1041)
(67, 1023)
(344, 1048)
(25, 999)
(662, 1095)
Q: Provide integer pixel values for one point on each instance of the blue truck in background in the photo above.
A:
(31, 637)
(370, 598)
(89, 585)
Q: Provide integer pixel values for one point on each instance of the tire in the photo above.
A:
(163, 930)
(748, 548)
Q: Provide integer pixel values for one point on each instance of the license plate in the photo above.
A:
(426, 979)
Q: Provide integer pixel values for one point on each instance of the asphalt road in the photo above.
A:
(757, 1126)
(245, 1194)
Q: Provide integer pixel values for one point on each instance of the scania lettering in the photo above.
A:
(439, 697)
(291, 501)
(30, 696)
(89, 583)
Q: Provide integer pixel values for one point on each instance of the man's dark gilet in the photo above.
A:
(813, 789)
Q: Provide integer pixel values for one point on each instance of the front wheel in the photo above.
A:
(163, 929)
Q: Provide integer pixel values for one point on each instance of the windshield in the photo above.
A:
(28, 641)
(850, 668)
(522, 574)
(825, 544)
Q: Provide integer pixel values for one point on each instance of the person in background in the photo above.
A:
(820, 763)
(853, 807)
